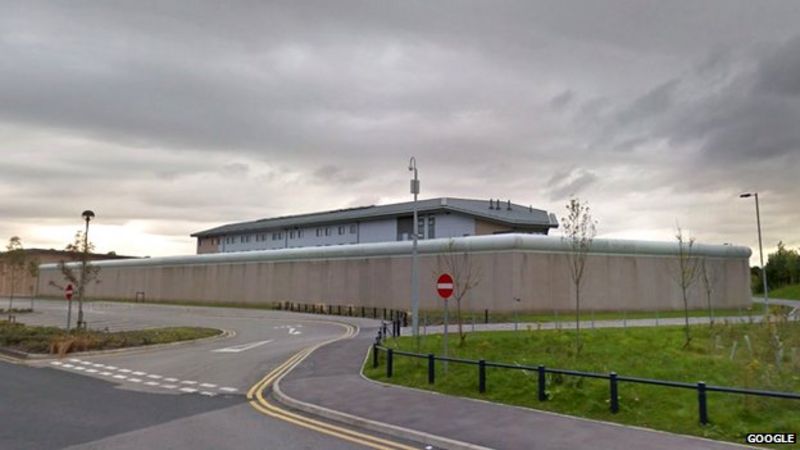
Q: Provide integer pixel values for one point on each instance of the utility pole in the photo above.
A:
(412, 166)
(760, 252)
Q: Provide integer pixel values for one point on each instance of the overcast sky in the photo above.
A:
(167, 118)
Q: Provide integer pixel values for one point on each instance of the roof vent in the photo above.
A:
(491, 203)
(509, 205)
(443, 202)
(530, 208)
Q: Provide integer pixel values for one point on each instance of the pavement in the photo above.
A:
(331, 383)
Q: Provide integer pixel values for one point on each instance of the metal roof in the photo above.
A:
(487, 243)
(519, 216)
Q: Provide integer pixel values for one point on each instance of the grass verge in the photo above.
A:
(436, 317)
(791, 292)
(35, 339)
(740, 355)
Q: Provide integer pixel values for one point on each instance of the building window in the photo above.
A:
(291, 234)
(431, 227)
(327, 231)
(300, 234)
(241, 239)
(341, 230)
(319, 232)
(421, 227)
(353, 229)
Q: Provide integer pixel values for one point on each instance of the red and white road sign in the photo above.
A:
(444, 285)
(68, 292)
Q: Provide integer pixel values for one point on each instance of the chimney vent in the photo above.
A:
(491, 203)
(509, 205)
(530, 208)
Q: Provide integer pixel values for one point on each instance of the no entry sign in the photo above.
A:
(444, 285)
(68, 292)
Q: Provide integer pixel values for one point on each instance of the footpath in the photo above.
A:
(329, 383)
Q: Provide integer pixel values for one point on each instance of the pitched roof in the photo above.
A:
(517, 216)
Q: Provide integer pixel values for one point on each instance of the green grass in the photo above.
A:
(36, 339)
(791, 292)
(641, 352)
(436, 317)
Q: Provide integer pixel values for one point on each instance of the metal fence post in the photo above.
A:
(389, 362)
(482, 376)
(431, 368)
(614, 398)
(542, 384)
(374, 355)
(485, 316)
(702, 404)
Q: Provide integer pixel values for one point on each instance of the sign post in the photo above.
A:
(444, 287)
(68, 295)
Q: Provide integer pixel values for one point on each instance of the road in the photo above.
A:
(190, 395)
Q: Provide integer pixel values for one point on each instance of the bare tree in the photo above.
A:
(579, 231)
(688, 266)
(16, 260)
(466, 276)
(84, 273)
(708, 276)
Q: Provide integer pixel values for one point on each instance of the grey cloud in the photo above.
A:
(570, 182)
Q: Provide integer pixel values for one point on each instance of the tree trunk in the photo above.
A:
(461, 337)
(686, 319)
(578, 317)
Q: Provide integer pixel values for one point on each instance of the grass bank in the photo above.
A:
(741, 355)
(35, 339)
(791, 292)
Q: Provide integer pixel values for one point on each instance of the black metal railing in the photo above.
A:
(613, 378)
(345, 310)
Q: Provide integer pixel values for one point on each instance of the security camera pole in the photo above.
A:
(412, 166)
(760, 250)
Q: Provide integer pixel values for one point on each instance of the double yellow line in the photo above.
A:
(257, 400)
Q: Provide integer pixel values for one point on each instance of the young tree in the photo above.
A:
(579, 231)
(80, 275)
(16, 259)
(466, 276)
(687, 274)
(708, 276)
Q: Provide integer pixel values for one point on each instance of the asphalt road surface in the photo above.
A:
(190, 395)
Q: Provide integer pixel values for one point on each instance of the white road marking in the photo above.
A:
(85, 362)
(242, 347)
(74, 360)
(187, 389)
(137, 373)
(105, 374)
(135, 380)
(189, 382)
(155, 377)
(208, 385)
(99, 366)
(125, 370)
(171, 380)
(91, 370)
(151, 383)
(68, 366)
(168, 386)
(120, 377)
(56, 363)
(111, 367)
(228, 389)
(79, 368)
(209, 394)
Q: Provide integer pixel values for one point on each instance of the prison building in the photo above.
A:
(444, 217)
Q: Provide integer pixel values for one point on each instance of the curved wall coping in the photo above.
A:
(504, 242)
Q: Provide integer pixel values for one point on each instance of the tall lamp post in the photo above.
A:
(760, 250)
(412, 166)
(87, 216)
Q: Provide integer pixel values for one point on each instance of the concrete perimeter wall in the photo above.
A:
(633, 275)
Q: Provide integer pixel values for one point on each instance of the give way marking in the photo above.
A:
(242, 347)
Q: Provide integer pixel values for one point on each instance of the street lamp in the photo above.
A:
(87, 216)
(760, 250)
(412, 166)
